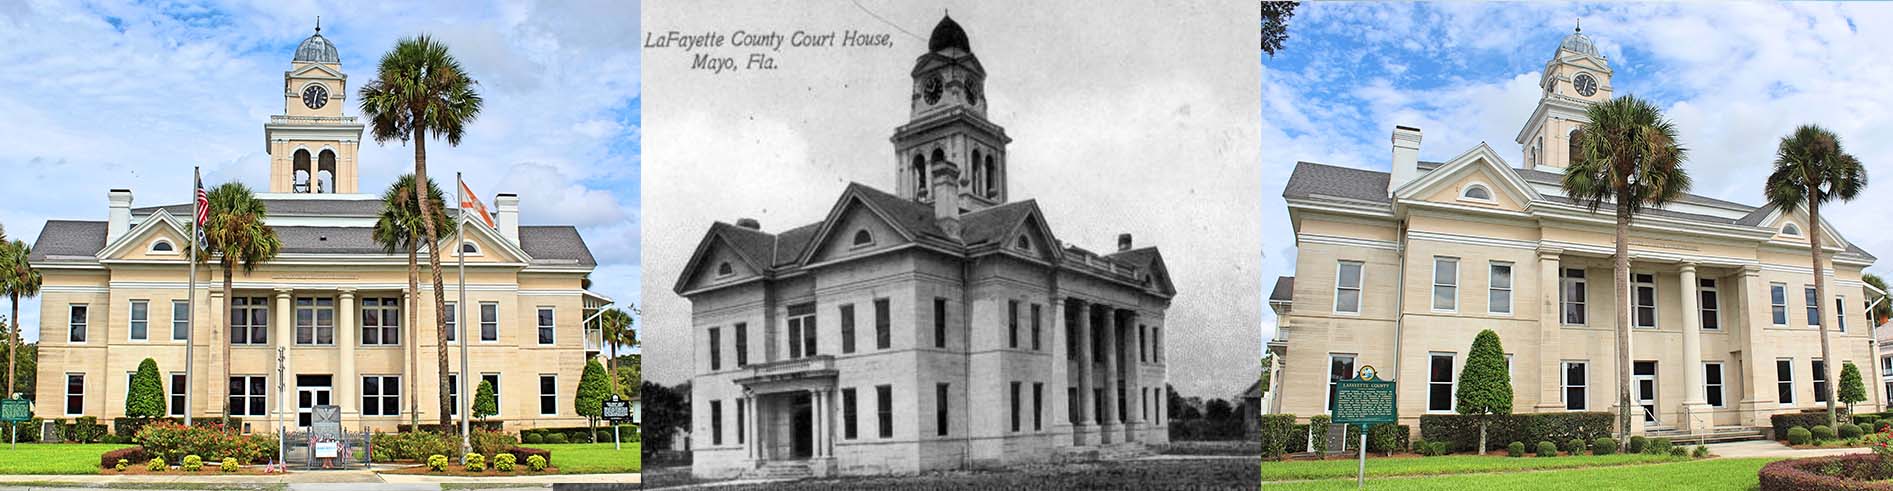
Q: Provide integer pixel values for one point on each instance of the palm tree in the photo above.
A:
(420, 91)
(615, 326)
(1628, 156)
(1881, 304)
(234, 232)
(399, 227)
(17, 279)
(1810, 169)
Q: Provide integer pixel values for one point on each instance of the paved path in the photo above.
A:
(1763, 448)
(307, 481)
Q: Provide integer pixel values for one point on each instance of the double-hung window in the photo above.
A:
(1712, 383)
(850, 415)
(939, 322)
(381, 321)
(883, 324)
(741, 331)
(249, 395)
(1645, 298)
(75, 394)
(1571, 295)
(1012, 324)
(884, 410)
(249, 320)
(1445, 284)
(489, 321)
(1814, 310)
(1576, 385)
(315, 320)
(176, 390)
(1820, 380)
(1439, 382)
(180, 320)
(1840, 314)
(1784, 381)
(847, 328)
(452, 315)
(1778, 303)
(549, 395)
(1347, 287)
(547, 333)
(716, 422)
(1499, 288)
(1340, 367)
(1037, 311)
(716, 349)
(381, 395)
(140, 320)
(75, 323)
(1711, 308)
(801, 330)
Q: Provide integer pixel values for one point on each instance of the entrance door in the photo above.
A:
(311, 391)
(802, 426)
(1643, 379)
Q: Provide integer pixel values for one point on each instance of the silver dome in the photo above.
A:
(317, 49)
(1581, 43)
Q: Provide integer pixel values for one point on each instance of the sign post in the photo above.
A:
(1365, 400)
(616, 411)
(13, 411)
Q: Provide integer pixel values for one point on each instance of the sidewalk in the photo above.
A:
(306, 480)
(1762, 448)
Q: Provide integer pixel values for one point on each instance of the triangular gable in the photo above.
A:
(856, 218)
(1483, 157)
(1032, 227)
(159, 224)
(305, 71)
(709, 253)
(492, 247)
(831, 224)
(1775, 219)
(1586, 62)
(1152, 264)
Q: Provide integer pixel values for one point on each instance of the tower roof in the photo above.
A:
(317, 49)
(1580, 43)
(948, 34)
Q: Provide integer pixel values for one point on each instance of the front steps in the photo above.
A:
(1722, 434)
(789, 470)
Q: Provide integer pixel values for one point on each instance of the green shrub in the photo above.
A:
(1462, 432)
(229, 464)
(1781, 423)
(560, 438)
(1318, 425)
(413, 445)
(1850, 431)
(476, 463)
(504, 462)
(1437, 449)
(535, 463)
(1822, 433)
(1799, 436)
(437, 462)
(492, 442)
(192, 463)
(1384, 439)
(1679, 452)
(123, 463)
(532, 438)
(156, 465)
(1277, 430)
(1638, 443)
(1517, 449)
(86, 429)
(1700, 452)
(173, 442)
(1575, 447)
(1659, 446)
(1604, 446)
(1547, 449)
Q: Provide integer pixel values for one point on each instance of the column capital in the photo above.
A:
(1546, 252)
(284, 292)
(347, 292)
(1689, 267)
(1751, 270)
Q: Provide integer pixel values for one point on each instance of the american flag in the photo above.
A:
(203, 203)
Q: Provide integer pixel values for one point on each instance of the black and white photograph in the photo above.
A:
(958, 244)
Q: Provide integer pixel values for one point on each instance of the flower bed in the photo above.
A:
(1855, 472)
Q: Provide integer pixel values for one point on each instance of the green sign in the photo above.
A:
(15, 410)
(1365, 401)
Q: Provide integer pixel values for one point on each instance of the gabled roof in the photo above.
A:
(68, 239)
(548, 245)
(1311, 180)
(1284, 290)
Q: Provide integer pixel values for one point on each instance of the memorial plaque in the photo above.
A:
(1364, 402)
(325, 422)
(616, 411)
(15, 410)
(328, 449)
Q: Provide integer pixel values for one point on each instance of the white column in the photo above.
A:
(345, 330)
(284, 338)
(1695, 405)
(1550, 329)
(1111, 421)
(1087, 406)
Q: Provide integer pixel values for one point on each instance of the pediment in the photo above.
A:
(316, 70)
(137, 243)
(718, 263)
(1479, 167)
(488, 246)
(857, 230)
(1030, 237)
(1798, 218)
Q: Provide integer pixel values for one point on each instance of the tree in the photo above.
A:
(1485, 385)
(486, 401)
(1218, 410)
(235, 233)
(1268, 365)
(17, 279)
(1882, 304)
(146, 397)
(1852, 390)
(615, 326)
(630, 375)
(1275, 24)
(666, 410)
(27, 370)
(1628, 156)
(1811, 168)
(399, 227)
(420, 91)
(593, 388)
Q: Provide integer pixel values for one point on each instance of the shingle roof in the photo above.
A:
(991, 224)
(556, 244)
(299, 207)
(1284, 289)
(68, 238)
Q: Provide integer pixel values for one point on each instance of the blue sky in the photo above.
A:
(1734, 77)
(102, 95)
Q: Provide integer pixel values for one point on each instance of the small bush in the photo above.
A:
(1516, 449)
(535, 463)
(560, 438)
(1659, 446)
(1679, 452)
(492, 442)
(538, 438)
(192, 463)
(1700, 452)
(122, 463)
(229, 464)
(126, 455)
(1438, 448)
(1604, 446)
(1575, 447)
(1848, 431)
(1822, 433)
(476, 463)
(504, 462)
(1799, 436)
(529, 453)
(1419, 445)
(1638, 443)
(437, 462)
(1547, 449)
(156, 465)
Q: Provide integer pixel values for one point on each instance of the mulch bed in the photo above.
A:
(209, 470)
(454, 470)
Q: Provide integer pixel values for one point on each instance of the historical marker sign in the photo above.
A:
(1365, 400)
(15, 410)
(616, 410)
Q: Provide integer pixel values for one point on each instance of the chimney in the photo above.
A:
(1406, 157)
(506, 215)
(118, 219)
(1123, 242)
(946, 196)
(749, 223)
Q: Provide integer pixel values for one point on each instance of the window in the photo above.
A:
(739, 421)
(1016, 405)
(453, 322)
(884, 409)
(1156, 344)
(1840, 314)
(468, 248)
(249, 395)
(140, 320)
(453, 394)
(742, 344)
(75, 394)
(1037, 311)
(1820, 380)
(1572, 295)
(315, 320)
(1445, 284)
(1645, 298)
(882, 322)
(1347, 287)
(1012, 323)
(1476, 192)
(549, 398)
(801, 330)
(1576, 378)
(162, 246)
(493, 378)
(862, 238)
(716, 350)
(847, 328)
(1439, 382)
(381, 395)
(381, 321)
(940, 407)
(1886, 366)
(849, 414)
(1778, 302)
(716, 422)
(1814, 311)
(546, 331)
(1711, 318)
(180, 320)
(1712, 382)
(1340, 367)
(1499, 286)
(724, 269)
(76, 323)
(489, 321)
(1784, 381)
(1023, 244)
(1790, 229)
(1038, 406)
(249, 320)
(176, 390)
(1143, 338)
(939, 322)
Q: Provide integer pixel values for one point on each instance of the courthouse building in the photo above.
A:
(940, 325)
(1400, 270)
(332, 302)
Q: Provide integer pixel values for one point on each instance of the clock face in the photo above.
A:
(1586, 86)
(933, 89)
(315, 96)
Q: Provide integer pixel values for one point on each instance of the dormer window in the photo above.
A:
(162, 246)
(1476, 192)
(723, 269)
(1024, 244)
(862, 238)
(468, 248)
(1790, 229)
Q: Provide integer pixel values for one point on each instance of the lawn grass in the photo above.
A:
(591, 458)
(54, 458)
(1710, 474)
(1451, 464)
(1236, 474)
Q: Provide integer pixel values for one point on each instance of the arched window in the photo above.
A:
(468, 248)
(1023, 244)
(1576, 151)
(992, 178)
(325, 171)
(724, 269)
(1790, 229)
(920, 176)
(1476, 192)
(162, 246)
(303, 171)
(979, 173)
(863, 238)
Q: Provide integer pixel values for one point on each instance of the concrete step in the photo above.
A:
(781, 470)
(1713, 436)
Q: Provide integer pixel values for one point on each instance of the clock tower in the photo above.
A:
(1576, 77)
(311, 144)
(947, 125)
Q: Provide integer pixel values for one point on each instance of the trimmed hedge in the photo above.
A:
(1853, 472)
(525, 453)
(1849, 431)
(1278, 431)
(1462, 432)
(1517, 449)
(1799, 436)
(627, 433)
(110, 459)
(1822, 433)
(1377, 441)
(128, 427)
(1780, 423)
(454, 429)
(1546, 449)
(1604, 446)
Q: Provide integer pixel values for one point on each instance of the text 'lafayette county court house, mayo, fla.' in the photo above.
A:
(1400, 270)
(940, 326)
(115, 294)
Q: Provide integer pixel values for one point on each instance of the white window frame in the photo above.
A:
(172, 394)
(180, 325)
(65, 403)
(1328, 389)
(1454, 286)
(1810, 300)
(152, 248)
(1778, 311)
(84, 326)
(1719, 388)
(496, 321)
(452, 315)
(1656, 314)
(499, 396)
(1360, 277)
(243, 410)
(466, 244)
(381, 395)
(1790, 229)
(1565, 302)
(854, 243)
(1709, 310)
(1492, 287)
(1840, 314)
(131, 320)
(554, 395)
(1452, 399)
(553, 328)
(1465, 193)
(1564, 384)
(1818, 379)
(1790, 381)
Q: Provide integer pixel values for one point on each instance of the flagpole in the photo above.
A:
(460, 252)
(190, 318)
